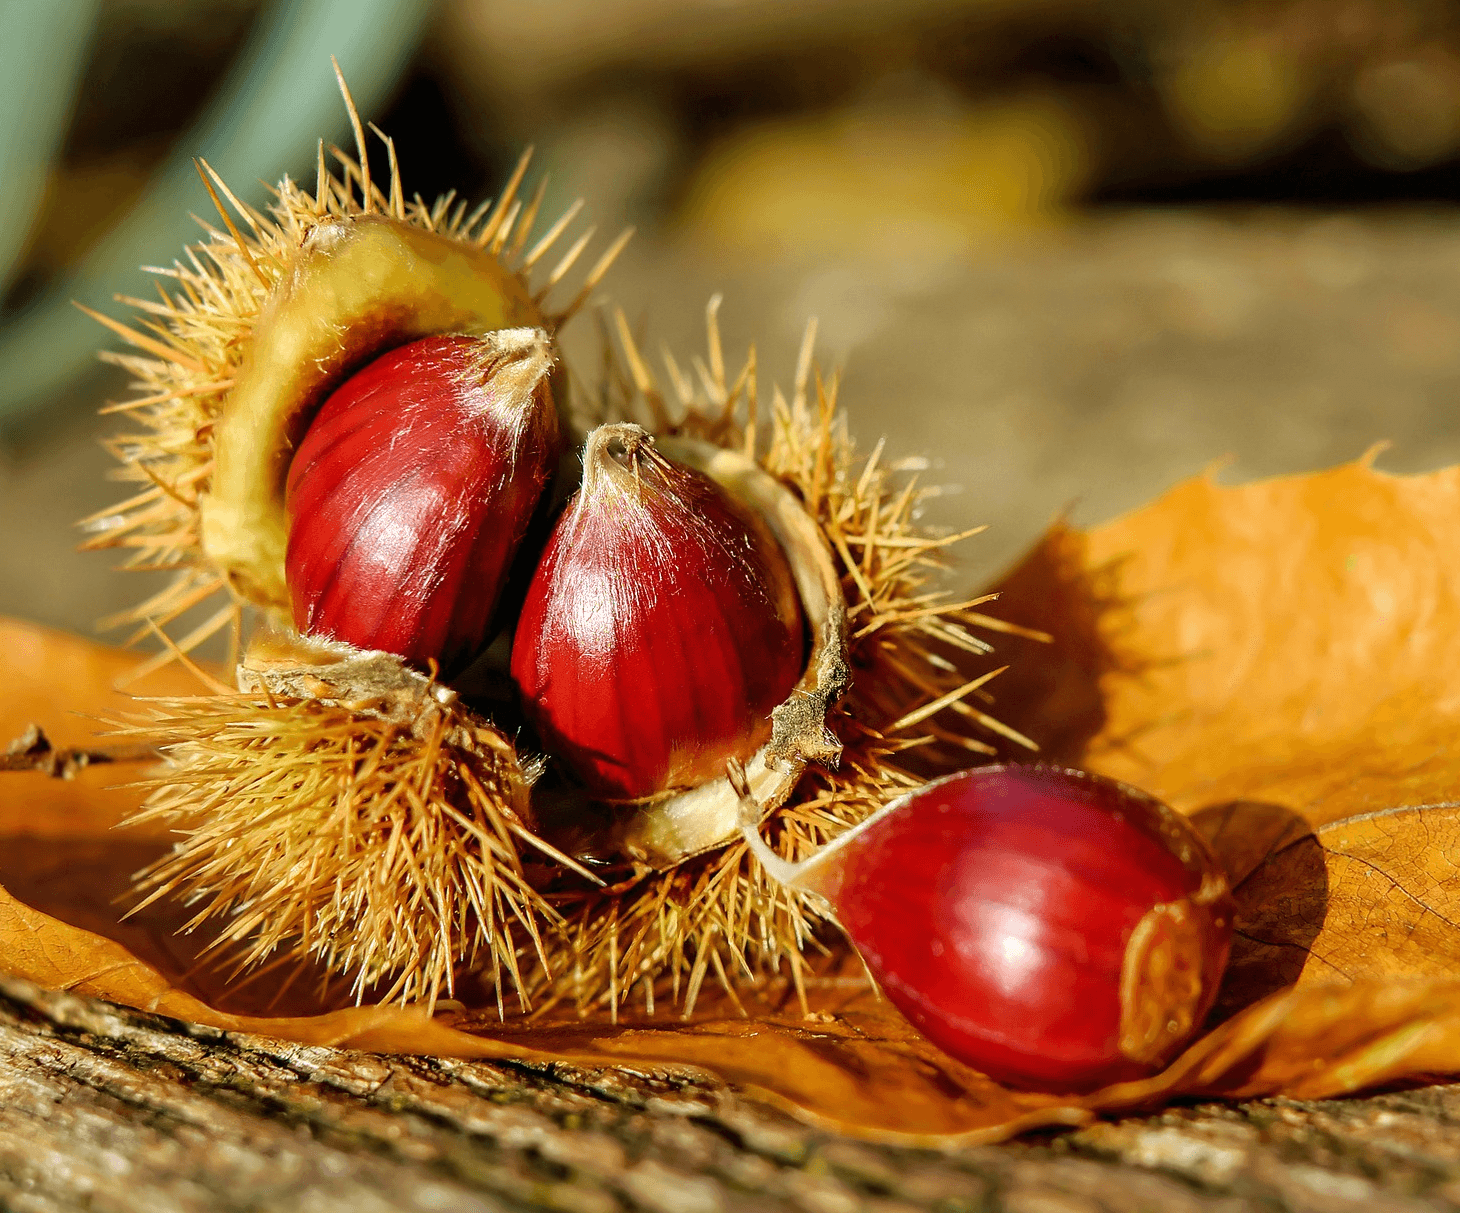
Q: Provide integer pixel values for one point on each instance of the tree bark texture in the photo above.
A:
(111, 1110)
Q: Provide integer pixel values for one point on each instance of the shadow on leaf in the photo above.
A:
(87, 883)
(1279, 879)
(1052, 692)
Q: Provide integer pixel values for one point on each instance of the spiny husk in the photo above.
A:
(189, 344)
(387, 849)
(912, 709)
(390, 853)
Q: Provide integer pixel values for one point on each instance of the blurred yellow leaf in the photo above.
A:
(1234, 97)
(888, 183)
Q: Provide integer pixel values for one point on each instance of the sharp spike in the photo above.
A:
(752, 402)
(456, 217)
(566, 263)
(505, 228)
(397, 202)
(529, 218)
(803, 363)
(552, 235)
(474, 218)
(321, 181)
(201, 166)
(595, 275)
(505, 201)
(245, 212)
(683, 388)
(712, 339)
(177, 650)
(367, 202)
(638, 369)
(133, 337)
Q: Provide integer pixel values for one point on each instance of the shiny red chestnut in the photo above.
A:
(413, 488)
(1051, 928)
(660, 629)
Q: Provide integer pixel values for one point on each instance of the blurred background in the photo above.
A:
(1072, 250)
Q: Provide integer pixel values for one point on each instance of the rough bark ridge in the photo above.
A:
(112, 1110)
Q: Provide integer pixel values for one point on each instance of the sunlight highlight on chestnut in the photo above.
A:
(1051, 928)
(412, 489)
(661, 627)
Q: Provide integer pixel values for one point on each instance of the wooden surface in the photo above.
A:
(106, 1109)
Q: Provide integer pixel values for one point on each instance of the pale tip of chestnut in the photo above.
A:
(515, 360)
(817, 875)
(616, 457)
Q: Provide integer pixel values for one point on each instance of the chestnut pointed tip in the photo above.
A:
(527, 343)
(621, 456)
(616, 441)
(749, 814)
(514, 363)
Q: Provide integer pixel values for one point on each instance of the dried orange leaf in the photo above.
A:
(65, 685)
(1292, 641)
(1366, 897)
(859, 1069)
(1274, 659)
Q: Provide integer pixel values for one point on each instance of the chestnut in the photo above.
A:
(412, 490)
(1051, 928)
(661, 628)
(356, 286)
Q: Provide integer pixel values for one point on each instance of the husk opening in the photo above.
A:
(668, 830)
(189, 347)
(718, 913)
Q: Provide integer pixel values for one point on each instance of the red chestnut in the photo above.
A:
(660, 628)
(412, 489)
(1051, 928)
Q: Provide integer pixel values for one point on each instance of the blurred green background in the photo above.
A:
(1069, 250)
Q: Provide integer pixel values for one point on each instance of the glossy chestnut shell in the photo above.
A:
(661, 628)
(412, 489)
(1051, 928)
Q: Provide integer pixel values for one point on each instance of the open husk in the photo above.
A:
(665, 831)
(406, 808)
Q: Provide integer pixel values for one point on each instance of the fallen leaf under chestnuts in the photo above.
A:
(1275, 660)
